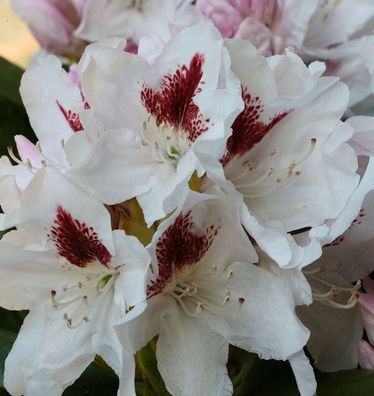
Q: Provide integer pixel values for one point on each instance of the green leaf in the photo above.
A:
(10, 78)
(94, 382)
(346, 383)
(147, 364)
(6, 341)
(13, 116)
(268, 378)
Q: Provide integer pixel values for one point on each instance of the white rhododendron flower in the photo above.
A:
(203, 297)
(162, 122)
(288, 132)
(195, 186)
(77, 277)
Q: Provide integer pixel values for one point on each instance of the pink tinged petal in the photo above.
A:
(52, 23)
(257, 33)
(225, 16)
(174, 103)
(363, 138)
(369, 286)
(366, 355)
(76, 241)
(28, 151)
(367, 301)
(179, 246)
(131, 47)
(150, 47)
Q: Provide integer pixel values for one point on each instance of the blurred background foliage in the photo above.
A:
(16, 42)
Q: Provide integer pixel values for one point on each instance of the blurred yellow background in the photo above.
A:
(16, 42)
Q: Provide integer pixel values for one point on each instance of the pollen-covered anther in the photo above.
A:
(77, 300)
(227, 297)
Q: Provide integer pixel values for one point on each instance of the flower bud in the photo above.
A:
(53, 23)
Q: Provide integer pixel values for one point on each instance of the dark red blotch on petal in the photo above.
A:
(173, 103)
(248, 129)
(72, 118)
(76, 241)
(179, 246)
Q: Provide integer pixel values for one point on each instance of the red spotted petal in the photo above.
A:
(173, 103)
(76, 241)
(248, 129)
(179, 246)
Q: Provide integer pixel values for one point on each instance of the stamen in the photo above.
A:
(77, 299)
(12, 155)
(285, 174)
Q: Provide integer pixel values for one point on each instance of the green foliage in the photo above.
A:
(13, 117)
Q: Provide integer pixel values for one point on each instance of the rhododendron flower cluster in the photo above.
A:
(193, 185)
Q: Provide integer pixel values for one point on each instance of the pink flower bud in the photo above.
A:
(53, 22)
(225, 15)
(366, 355)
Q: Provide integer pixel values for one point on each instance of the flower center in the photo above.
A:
(168, 143)
(193, 297)
(78, 301)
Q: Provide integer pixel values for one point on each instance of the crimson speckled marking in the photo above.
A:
(179, 246)
(72, 118)
(173, 104)
(76, 241)
(247, 129)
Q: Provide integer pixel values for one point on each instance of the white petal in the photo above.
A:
(192, 358)
(134, 259)
(260, 316)
(363, 139)
(116, 105)
(326, 27)
(304, 374)
(27, 277)
(44, 86)
(50, 190)
(47, 356)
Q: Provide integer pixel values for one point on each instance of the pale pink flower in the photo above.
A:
(53, 23)
(270, 25)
